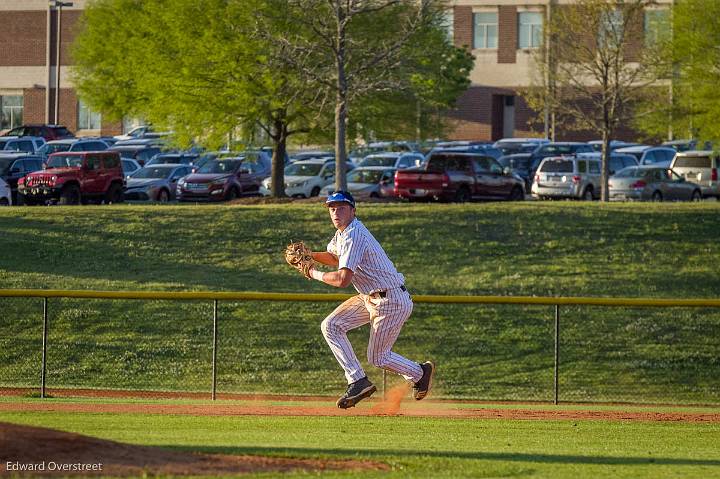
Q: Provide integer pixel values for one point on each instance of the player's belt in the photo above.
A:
(382, 294)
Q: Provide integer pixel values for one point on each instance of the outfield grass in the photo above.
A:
(424, 447)
(483, 352)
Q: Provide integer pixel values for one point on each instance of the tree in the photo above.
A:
(594, 68)
(361, 51)
(194, 66)
(688, 50)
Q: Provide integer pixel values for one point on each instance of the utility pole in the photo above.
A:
(58, 4)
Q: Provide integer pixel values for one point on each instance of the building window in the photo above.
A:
(611, 28)
(11, 108)
(448, 24)
(485, 29)
(657, 24)
(87, 119)
(530, 29)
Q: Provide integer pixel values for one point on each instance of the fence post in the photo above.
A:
(557, 352)
(44, 349)
(214, 349)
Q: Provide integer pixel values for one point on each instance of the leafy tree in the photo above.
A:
(594, 68)
(194, 66)
(367, 53)
(204, 67)
(688, 51)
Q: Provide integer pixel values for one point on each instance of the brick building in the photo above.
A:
(501, 34)
(28, 65)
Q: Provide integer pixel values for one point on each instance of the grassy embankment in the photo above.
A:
(488, 352)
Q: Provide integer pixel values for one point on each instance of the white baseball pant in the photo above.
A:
(386, 317)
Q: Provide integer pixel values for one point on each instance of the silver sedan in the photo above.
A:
(155, 182)
(651, 183)
(368, 182)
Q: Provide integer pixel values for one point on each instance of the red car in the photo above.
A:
(225, 179)
(74, 178)
(456, 176)
(49, 132)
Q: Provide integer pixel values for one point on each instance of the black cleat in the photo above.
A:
(356, 392)
(422, 387)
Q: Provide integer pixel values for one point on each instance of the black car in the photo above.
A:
(14, 166)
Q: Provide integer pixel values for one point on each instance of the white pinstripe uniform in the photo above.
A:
(374, 273)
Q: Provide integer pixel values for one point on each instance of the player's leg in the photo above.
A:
(388, 315)
(349, 315)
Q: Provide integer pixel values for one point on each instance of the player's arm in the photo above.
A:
(326, 258)
(340, 278)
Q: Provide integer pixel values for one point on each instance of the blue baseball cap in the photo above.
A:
(340, 196)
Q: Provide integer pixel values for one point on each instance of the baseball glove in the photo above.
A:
(300, 257)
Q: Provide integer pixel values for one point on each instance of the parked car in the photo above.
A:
(658, 156)
(618, 161)
(72, 178)
(635, 150)
(519, 164)
(225, 178)
(368, 182)
(129, 166)
(456, 176)
(557, 149)
(651, 183)
(27, 144)
(700, 167)
(14, 166)
(567, 177)
(614, 145)
(141, 153)
(49, 132)
(143, 131)
(688, 145)
(379, 147)
(310, 155)
(172, 158)
(484, 148)
(304, 179)
(72, 144)
(396, 160)
(512, 146)
(5, 194)
(156, 182)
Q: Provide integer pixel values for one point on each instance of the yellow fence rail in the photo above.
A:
(438, 299)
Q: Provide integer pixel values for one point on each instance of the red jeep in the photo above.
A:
(73, 178)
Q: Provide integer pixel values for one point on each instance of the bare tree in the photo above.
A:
(595, 68)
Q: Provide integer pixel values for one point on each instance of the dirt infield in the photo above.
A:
(40, 452)
(396, 403)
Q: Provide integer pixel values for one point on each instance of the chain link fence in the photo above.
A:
(483, 351)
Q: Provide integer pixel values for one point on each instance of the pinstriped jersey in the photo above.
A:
(360, 252)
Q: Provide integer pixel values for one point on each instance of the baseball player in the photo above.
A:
(383, 301)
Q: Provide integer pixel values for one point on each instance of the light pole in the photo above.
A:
(58, 4)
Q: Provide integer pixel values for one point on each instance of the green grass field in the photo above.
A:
(483, 352)
(424, 447)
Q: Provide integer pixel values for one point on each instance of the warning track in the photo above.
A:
(395, 404)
